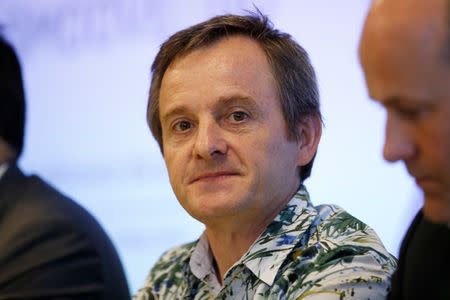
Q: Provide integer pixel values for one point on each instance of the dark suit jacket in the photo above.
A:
(424, 264)
(51, 248)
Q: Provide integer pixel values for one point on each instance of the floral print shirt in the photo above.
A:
(307, 252)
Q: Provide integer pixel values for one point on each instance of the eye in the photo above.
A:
(182, 126)
(410, 112)
(238, 116)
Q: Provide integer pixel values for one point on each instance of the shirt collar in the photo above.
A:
(270, 250)
(286, 231)
(201, 261)
(201, 264)
(3, 168)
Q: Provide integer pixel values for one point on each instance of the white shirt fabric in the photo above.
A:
(3, 168)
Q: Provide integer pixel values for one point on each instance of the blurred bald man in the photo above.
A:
(405, 54)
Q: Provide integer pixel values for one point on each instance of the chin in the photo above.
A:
(437, 209)
(210, 217)
(210, 208)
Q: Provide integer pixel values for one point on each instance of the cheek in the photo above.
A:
(274, 155)
(435, 138)
(442, 142)
(172, 164)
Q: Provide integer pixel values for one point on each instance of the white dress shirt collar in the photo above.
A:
(3, 168)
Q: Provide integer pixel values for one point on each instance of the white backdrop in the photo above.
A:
(86, 69)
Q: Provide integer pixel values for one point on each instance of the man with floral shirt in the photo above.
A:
(234, 106)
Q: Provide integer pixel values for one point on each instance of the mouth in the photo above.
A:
(206, 177)
(425, 182)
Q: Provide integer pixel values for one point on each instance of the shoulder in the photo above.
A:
(424, 251)
(337, 226)
(39, 206)
(169, 273)
(58, 234)
(343, 256)
(172, 262)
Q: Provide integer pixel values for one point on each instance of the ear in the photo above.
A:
(7, 152)
(309, 133)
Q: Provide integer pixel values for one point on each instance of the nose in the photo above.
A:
(210, 141)
(399, 143)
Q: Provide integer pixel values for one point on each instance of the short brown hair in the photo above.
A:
(294, 75)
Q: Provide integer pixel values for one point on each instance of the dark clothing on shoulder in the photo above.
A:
(52, 248)
(424, 264)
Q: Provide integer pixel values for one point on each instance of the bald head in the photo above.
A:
(413, 35)
(412, 22)
(415, 20)
(405, 55)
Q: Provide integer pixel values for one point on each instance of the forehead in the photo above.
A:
(233, 50)
(401, 49)
(231, 63)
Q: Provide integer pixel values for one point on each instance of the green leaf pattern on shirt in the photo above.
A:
(307, 252)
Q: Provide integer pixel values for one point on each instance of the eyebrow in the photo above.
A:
(178, 110)
(228, 100)
(400, 102)
(391, 101)
(223, 101)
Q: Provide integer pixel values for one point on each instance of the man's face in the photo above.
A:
(405, 70)
(224, 136)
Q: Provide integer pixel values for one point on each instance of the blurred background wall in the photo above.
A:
(86, 69)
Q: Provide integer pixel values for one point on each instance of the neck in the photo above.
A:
(228, 247)
(230, 240)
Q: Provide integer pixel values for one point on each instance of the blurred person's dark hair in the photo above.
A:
(12, 98)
